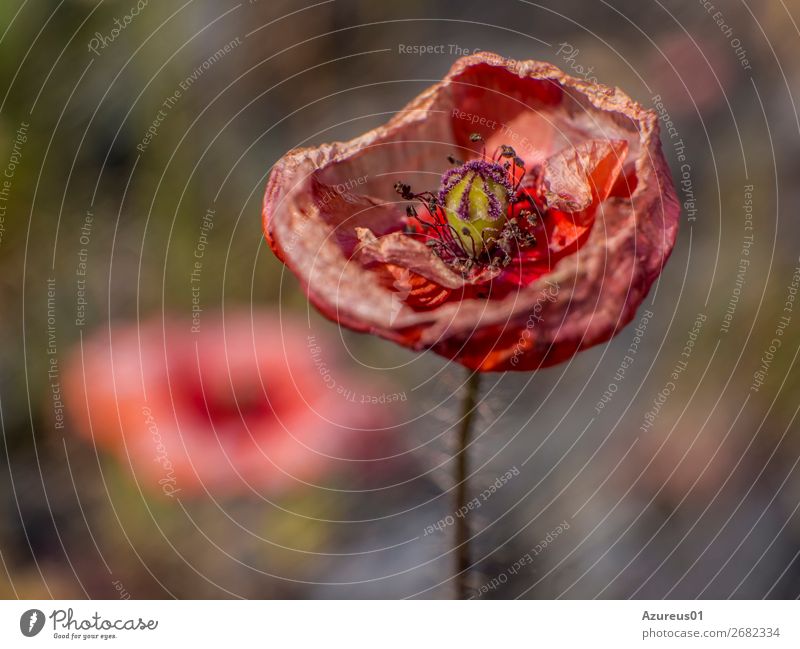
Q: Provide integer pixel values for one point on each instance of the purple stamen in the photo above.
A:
(487, 171)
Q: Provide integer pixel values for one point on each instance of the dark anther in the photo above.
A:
(475, 137)
(404, 190)
(507, 151)
(454, 161)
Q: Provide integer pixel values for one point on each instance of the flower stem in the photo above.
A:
(461, 546)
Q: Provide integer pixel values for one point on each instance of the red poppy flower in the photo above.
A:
(240, 403)
(554, 218)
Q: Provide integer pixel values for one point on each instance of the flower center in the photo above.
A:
(475, 197)
(479, 217)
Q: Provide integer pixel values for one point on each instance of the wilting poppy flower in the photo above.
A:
(240, 403)
(508, 217)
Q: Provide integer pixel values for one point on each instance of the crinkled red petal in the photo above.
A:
(608, 227)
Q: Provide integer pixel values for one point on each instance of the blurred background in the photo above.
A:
(135, 142)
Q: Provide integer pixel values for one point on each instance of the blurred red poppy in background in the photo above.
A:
(240, 403)
(556, 215)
